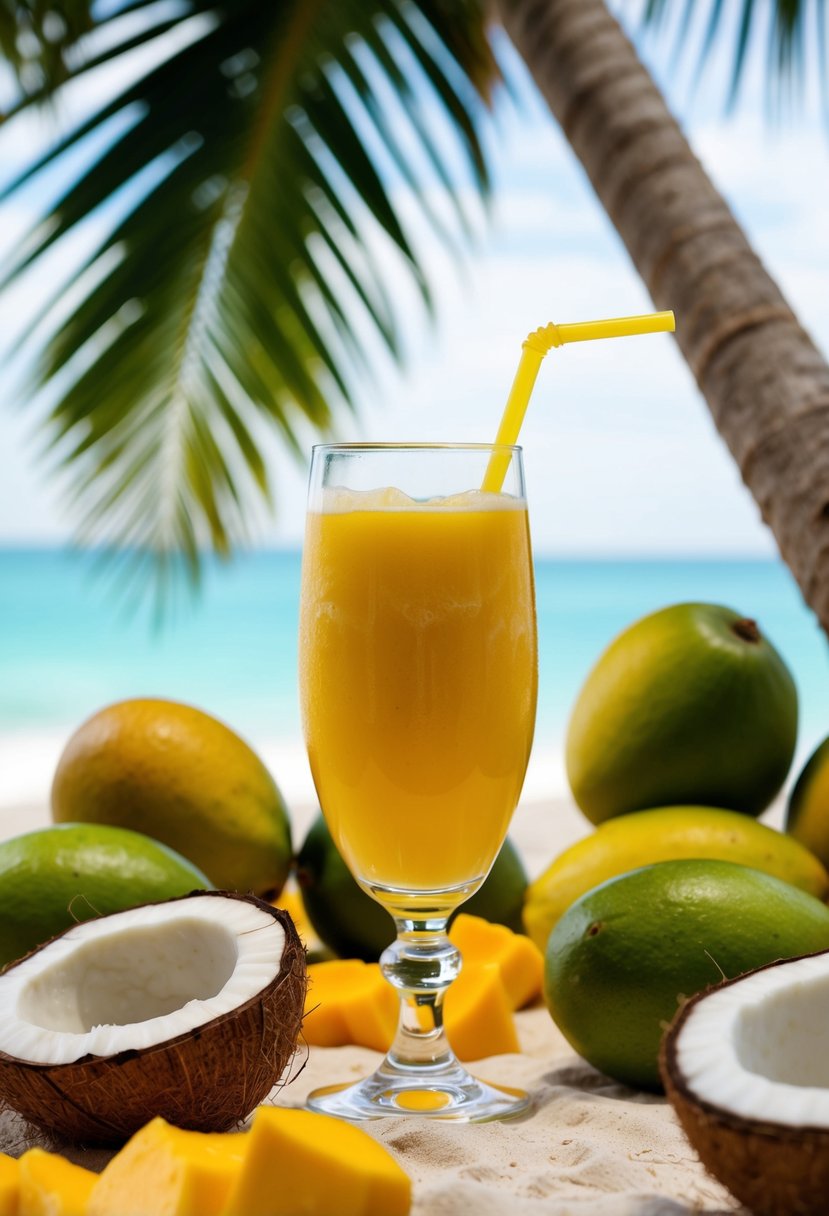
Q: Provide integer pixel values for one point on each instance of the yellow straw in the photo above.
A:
(533, 350)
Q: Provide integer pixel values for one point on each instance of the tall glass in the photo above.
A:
(418, 688)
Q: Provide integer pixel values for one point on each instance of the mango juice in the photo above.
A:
(418, 679)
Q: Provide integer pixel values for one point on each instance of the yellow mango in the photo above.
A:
(52, 1186)
(302, 1164)
(167, 1171)
(519, 960)
(9, 1185)
(348, 1001)
(478, 1014)
(668, 833)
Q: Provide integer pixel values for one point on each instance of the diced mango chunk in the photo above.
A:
(478, 1014)
(323, 1024)
(303, 1164)
(348, 1001)
(519, 960)
(9, 1185)
(371, 1013)
(52, 1186)
(167, 1171)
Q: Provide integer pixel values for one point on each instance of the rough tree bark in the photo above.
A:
(765, 382)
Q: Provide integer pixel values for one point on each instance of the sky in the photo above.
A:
(621, 455)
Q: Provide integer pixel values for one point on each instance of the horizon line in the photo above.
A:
(293, 548)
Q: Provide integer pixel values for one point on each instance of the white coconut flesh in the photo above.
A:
(760, 1047)
(137, 978)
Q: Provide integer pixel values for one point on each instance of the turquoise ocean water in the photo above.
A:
(67, 647)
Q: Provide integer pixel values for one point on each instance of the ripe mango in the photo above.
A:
(625, 955)
(665, 834)
(181, 776)
(807, 815)
(690, 705)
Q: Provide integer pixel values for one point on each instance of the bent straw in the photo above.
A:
(534, 348)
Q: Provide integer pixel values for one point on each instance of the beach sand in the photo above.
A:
(589, 1147)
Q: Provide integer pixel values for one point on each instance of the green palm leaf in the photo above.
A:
(788, 27)
(245, 176)
(241, 215)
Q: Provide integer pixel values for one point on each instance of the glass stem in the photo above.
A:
(421, 964)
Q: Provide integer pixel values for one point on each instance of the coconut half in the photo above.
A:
(189, 1009)
(746, 1068)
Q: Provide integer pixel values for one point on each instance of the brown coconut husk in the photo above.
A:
(208, 1080)
(774, 1169)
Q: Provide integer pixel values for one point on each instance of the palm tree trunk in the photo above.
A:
(765, 382)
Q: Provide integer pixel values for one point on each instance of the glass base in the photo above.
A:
(448, 1092)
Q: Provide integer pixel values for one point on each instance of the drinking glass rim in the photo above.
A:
(416, 447)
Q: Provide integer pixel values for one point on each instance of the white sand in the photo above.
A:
(589, 1147)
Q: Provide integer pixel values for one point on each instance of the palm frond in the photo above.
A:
(789, 25)
(246, 218)
(36, 38)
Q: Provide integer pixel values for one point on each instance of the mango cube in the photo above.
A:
(166, 1171)
(323, 1025)
(371, 1012)
(52, 1186)
(303, 1164)
(9, 1185)
(519, 960)
(348, 1001)
(478, 1014)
